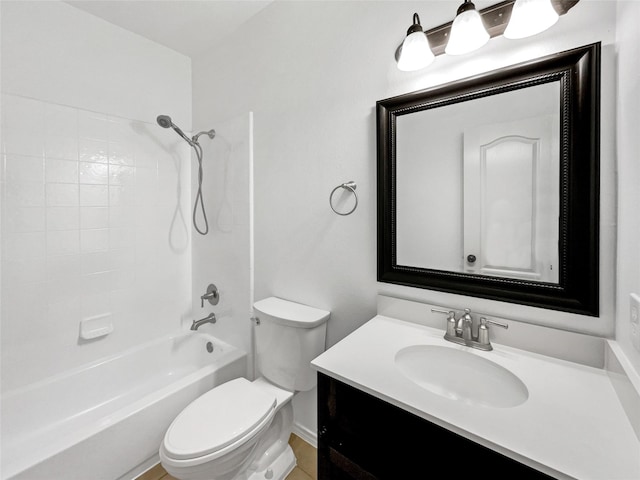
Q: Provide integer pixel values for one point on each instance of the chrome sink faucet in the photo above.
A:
(463, 331)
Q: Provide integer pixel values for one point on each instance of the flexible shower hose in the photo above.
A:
(198, 149)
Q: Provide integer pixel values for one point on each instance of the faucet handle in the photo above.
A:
(212, 295)
(484, 321)
(483, 331)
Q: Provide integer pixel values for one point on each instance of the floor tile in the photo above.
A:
(305, 455)
(298, 474)
(155, 473)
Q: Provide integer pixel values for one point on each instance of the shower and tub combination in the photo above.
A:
(105, 420)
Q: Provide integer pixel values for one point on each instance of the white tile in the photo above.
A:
(19, 168)
(123, 279)
(94, 217)
(94, 195)
(24, 194)
(93, 125)
(24, 245)
(56, 146)
(22, 113)
(121, 130)
(24, 270)
(94, 240)
(62, 312)
(120, 216)
(24, 219)
(123, 259)
(121, 154)
(60, 120)
(22, 142)
(63, 218)
(18, 304)
(93, 173)
(121, 175)
(62, 195)
(92, 304)
(64, 291)
(95, 283)
(145, 159)
(95, 262)
(122, 196)
(91, 150)
(61, 171)
(120, 238)
(63, 242)
(61, 267)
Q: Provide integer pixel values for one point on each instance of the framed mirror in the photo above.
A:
(489, 186)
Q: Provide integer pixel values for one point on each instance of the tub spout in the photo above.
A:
(211, 318)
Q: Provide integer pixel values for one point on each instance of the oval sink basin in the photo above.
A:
(462, 376)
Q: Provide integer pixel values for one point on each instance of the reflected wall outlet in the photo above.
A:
(634, 317)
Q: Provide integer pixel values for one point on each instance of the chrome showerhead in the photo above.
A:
(164, 121)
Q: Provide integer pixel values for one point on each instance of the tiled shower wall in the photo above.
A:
(95, 223)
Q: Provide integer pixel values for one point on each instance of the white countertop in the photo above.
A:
(572, 426)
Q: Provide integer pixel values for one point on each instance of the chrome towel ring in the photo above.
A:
(351, 186)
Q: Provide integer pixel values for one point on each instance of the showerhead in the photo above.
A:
(164, 121)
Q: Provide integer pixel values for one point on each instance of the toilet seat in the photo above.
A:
(218, 422)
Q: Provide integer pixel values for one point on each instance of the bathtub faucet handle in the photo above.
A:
(213, 295)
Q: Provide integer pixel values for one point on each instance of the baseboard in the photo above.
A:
(306, 434)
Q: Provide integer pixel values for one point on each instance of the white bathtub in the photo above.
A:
(105, 421)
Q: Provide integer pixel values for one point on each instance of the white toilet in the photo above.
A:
(240, 430)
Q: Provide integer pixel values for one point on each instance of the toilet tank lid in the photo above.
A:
(292, 314)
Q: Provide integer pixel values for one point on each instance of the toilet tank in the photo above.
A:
(288, 336)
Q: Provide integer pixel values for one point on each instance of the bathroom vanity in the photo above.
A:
(395, 400)
(364, 437)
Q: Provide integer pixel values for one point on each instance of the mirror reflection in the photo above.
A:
(478, 185)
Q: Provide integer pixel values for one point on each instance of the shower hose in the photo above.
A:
(198, 149)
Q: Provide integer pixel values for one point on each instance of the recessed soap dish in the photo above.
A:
(97, 326)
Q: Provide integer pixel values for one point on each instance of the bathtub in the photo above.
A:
(106, 420)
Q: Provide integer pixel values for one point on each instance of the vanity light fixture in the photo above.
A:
(511, 18)
(530, 17)
(415, 52)
(467, 31)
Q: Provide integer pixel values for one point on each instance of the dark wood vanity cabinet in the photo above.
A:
(361, 437)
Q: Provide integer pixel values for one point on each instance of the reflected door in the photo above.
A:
(511, 193)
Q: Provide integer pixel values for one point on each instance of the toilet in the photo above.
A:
(240, 429)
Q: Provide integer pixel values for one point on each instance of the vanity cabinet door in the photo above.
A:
(361, 437)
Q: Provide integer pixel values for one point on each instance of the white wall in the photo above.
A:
(628, 146)
(311, 72)
(90, 188)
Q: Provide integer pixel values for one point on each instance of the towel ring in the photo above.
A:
(347, 186)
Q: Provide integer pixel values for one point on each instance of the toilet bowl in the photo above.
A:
(240, 430)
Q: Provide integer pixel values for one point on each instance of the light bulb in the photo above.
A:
(467, 31)
(415, 52)
(530, 17)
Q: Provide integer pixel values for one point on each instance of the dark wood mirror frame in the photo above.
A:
(577, 291)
